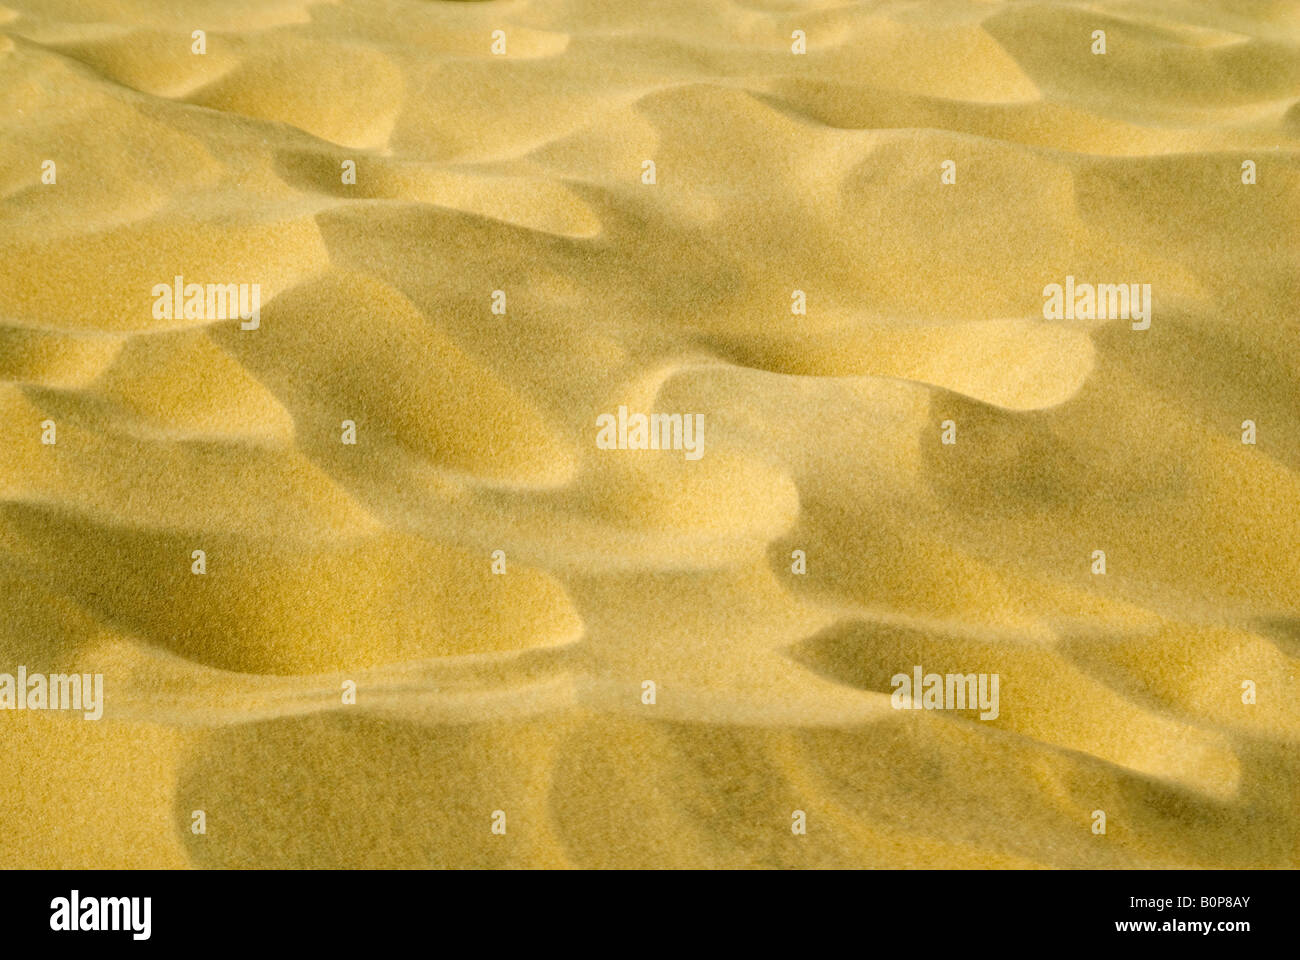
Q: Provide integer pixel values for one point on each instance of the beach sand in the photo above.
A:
(475, 637)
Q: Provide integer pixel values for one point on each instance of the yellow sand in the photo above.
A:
(522, 692)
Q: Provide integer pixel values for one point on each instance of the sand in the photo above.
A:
(474, 636)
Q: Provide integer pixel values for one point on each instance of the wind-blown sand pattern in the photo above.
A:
(523, 692)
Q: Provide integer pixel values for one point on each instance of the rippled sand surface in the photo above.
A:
(524, 692)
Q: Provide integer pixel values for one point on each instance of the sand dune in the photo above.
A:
(362, 579)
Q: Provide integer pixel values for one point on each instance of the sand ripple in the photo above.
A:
(380, 563)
